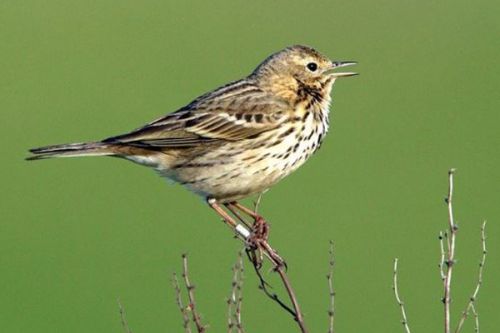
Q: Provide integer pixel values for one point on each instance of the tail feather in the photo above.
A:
(71, 150)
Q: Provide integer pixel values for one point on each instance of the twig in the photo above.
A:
(476, 318)
(291, 294)
(260, 243)
(230, 323)
(331, 310)
(235, 299)
(263, 285)
(279, 267)
(442, 259)
(398, 299)
(125, 326)
(231, 301)
(256, 204)
(471, 303)
(192, 304)
(239, 296)
(450, 258)
(180, 305)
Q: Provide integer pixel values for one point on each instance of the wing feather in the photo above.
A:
(212, 117)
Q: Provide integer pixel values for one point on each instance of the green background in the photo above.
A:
(77, 234)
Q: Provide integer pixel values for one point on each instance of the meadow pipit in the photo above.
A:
(237, 140)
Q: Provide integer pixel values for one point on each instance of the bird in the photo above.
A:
(237, 140)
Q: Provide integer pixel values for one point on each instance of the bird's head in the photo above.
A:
(297, 66)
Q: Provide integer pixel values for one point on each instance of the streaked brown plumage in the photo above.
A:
(239, 139)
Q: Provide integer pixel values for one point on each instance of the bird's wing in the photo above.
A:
(208, 119)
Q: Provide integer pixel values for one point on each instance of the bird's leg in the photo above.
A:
(241, 230)
(246, 210)
(237, 215)
(260, 226)
(252, 244)
(258, 238)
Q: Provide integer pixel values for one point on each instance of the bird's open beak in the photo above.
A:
(338, 64)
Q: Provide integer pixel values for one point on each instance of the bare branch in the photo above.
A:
(398, 299)
(442, 259)
(230, 310)
(331, 310)
(239, 296)
(476, 318)
(125, 326)
(298, 314)
(192, 304)
(256, 203)
(257, 241)
(470, 307)
(450, 258)
(235, 299)
(264, 286)
(280, 268)
(180, 305)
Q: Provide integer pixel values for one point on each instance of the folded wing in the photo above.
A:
(208, 119)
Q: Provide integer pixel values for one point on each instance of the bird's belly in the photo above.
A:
(229, 174)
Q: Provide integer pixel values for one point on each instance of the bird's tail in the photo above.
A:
(71, 150)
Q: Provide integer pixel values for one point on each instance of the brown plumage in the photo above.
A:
(239, 139)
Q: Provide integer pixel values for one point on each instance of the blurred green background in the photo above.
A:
(77, 234)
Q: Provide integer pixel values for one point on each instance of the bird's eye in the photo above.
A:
(312, 66)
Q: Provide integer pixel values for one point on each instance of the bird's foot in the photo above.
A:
(258, 247)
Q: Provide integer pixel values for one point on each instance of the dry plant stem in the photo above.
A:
(331, 310)
(450, 258)
(470, 307)
(273, 257)
(298, 314)
(476, 318)
(230, 323)
(182, 308)
(230, 302)
(280, 269)
(192, 304)
(264, 287)
(443, 255)
(239, 296)
(235, 299)
(398, 299)
(125, 326)
(256, 204)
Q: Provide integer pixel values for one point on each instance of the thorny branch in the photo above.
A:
(404, 321)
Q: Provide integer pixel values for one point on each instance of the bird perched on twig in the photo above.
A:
(237, 140)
